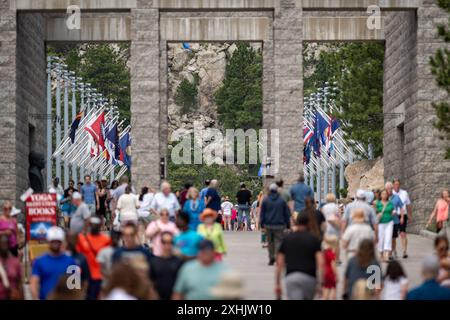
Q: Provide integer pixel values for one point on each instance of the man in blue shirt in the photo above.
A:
(398, 208)
(299, 192)
(50, 267)
(187, 242)
(430, 289)
(89, 191)
(204, 190)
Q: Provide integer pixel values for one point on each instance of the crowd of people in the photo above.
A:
(116, 244)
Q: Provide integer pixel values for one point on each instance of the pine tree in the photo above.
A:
(239, 100)
(440, 67)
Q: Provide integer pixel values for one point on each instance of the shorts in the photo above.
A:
(403, 226)
(396, 231)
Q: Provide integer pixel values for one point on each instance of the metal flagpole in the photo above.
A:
(325, 179)
(74, 114)
(82, 85)
(66, 125)
(333, 180)
(58, 118)
(49, 122)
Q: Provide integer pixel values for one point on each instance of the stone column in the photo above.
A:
(8, 41)
(288, 112)
(145, 95)
(433, 171)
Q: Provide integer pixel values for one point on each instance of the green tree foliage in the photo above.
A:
(440, 66)
(186, 97)
(358, 69)
(239, 100)
(105, 67)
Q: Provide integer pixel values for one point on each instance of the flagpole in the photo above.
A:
(66, 124)
(74, 114)
(49, 122)
(58, 118)
(82, 86)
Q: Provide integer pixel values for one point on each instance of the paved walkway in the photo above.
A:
(247, 257)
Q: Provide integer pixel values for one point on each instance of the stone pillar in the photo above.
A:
(413, 151)
(8, 40)
(288, 112)
(432, 174)
(31, 101)
(145, 95)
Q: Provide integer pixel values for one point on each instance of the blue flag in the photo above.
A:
(74, 126)
(261, 170)
(125, 143)
(112, 144)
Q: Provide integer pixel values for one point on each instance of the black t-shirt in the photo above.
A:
(164, 273)
(244, 196)
(299, 249)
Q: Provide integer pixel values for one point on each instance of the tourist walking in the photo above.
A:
(102, 195)
(211, 230)
(358, 265)
(395, 284)
(8, 227)
(48, 268)
(156, 228)
(332, 217)
(285, 194)
(300, 254)
(145, 202)
(205, 190)
(165, 199)
(317, 221)
(370, 215)
(329, 246)
(194, 207)
(441, 246)
(440, 212)
(11, 287)
(127, 206)
(299, 192)
(78, 221)
(275, 219)
(398, 216)
(213, 199)
(187, 241)
(407, 215)
(90, 244)
(227, 207)
(430, 288)
(80, 260)
(197, 277)
(356, 233)
(385, 213)
(243, 198)
(89, 191)
(165, 267)
(105, 255)
(56, 188)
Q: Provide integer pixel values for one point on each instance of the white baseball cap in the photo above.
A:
(14, 211)
(360, 194)
(273, 187)
(55, 234)
(76, 196)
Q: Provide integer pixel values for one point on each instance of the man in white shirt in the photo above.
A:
(57, 189)
(226, 207)
(404, 196)
(165, 200)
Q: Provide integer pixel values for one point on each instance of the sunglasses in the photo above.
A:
(164, 214)
(166, 242)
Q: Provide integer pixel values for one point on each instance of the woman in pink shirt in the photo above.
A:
(441, 211)
(8, 227)
(157, 227)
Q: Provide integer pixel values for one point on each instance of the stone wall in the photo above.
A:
(414, 153)
(31, 107)
(8, 40)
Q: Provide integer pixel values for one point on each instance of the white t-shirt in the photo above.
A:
(127, 206)
(404, 196)
(226, 208)
(160, 201)
(356, 233)
(119, 294)
(331, 213)
(392, 290)
(144, 209)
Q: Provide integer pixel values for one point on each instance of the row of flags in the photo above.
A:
(322, 133)
(104, 140)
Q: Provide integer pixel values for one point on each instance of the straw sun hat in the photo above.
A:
(229, 288)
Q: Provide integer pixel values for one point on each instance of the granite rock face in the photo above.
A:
(364, 174)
